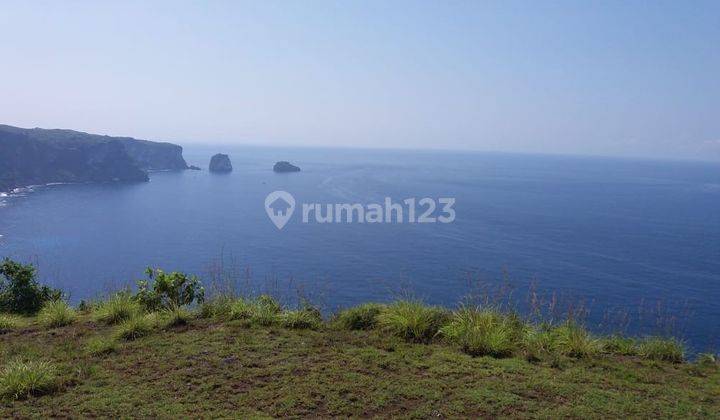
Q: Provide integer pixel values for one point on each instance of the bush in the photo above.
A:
(573, 340)
(482, 332)
(241, 309)
(362, 317)
(169, 290)
(56, 314)
(118, 308)
(20, 293)
(412, 320)
(9, 323)
(302, 319)
(665, 349)
(98, 346)
(19, 380)
(136, 327)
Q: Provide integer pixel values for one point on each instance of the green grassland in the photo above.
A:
(250, 358)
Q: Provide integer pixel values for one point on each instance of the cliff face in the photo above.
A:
(37, 156)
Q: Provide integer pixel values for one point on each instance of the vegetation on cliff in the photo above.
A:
(166, 351)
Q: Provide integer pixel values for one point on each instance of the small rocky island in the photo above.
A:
(220, 163)
(284, 166)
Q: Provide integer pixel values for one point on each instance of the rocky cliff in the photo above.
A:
(38, 156)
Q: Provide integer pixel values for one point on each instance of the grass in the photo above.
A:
(176, 316)
(571, 339)
(136, 327)
(482, 332)
(362, 317)
(56, 314)
(215, 368)
(301, 319)
(120, 307)
(412, 320)
(20, 380)
(403, 360)
(98, 346)
(659, 348)
(9, 323)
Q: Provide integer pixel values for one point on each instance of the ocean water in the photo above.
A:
(631, 245)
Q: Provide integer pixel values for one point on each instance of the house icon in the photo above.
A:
(280, 206)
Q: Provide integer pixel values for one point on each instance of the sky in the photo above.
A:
(628, 78)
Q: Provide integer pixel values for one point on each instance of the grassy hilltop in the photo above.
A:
(148, 355)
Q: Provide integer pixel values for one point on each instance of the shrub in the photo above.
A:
(483, 332)
(412, 320)
(362, 317)
(176, 316)
(665, 349)
(169, 290)
(20, 379)
(573, 340)
(97, 346)
(136, 327)
(616, 344)
(9, 323)
(20, 293)
(56, 314)
(118, 308)
(301, 319)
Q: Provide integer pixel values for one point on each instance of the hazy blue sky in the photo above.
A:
(605, 77)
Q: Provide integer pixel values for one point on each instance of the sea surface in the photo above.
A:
(624, 245)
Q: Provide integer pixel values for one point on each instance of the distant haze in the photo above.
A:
(632, 78)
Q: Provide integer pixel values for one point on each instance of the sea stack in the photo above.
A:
(220, 163)
(284, 166)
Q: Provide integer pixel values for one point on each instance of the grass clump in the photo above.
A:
(56, 314)
(98, 346)
(136, 327)
(20, 380)
(176, 316)
(659, 348)
(9, 323)
(362, 317)
(573, 340)
(217, 307)
(262, 311)
(120, 307)
(412, 320)
(616, 344)
(301, 319)
(536, 343)
(482, 332)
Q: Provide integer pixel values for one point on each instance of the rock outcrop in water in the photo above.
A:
(220, 163)
(38, 156)
(284, 166)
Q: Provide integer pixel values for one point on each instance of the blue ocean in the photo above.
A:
(626, 245)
